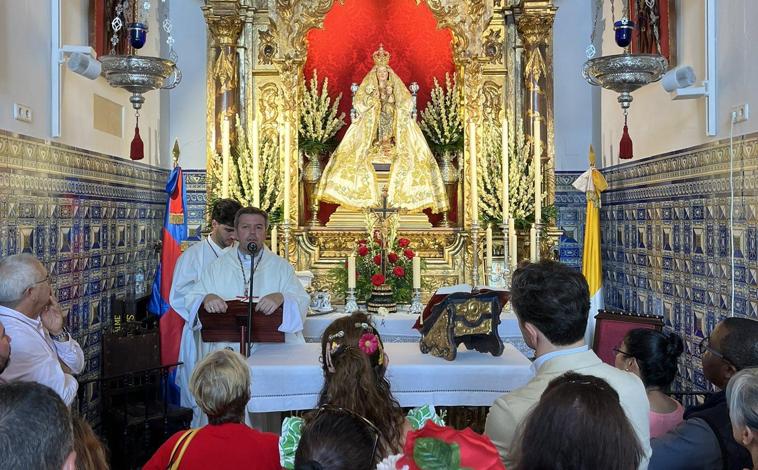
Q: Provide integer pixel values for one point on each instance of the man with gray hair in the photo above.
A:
(35, 429)
(742, 397)
(32, 317)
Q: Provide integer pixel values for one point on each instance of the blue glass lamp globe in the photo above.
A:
(623, 28)
(137, 34)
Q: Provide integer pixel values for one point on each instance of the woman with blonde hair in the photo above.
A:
(220, 384)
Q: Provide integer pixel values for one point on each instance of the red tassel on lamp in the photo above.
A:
(625, 146)
(137, 151)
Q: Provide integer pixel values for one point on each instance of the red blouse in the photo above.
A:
(228, 446)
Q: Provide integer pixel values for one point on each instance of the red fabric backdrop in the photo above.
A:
(341, 51)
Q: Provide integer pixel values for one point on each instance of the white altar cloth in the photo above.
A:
(398, 327)
(289, 377)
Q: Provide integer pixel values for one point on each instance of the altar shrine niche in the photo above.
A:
(462, 317)
(493, 84)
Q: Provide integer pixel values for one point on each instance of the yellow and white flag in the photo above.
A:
(592, 183)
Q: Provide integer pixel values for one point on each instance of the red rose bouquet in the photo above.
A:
(398, 272)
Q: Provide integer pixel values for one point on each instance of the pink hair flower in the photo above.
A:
(368, 343)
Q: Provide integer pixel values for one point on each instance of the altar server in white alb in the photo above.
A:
(189, 267)
(274, 284)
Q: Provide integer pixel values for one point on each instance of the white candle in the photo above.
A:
(256, 167)
(488, 237)
(537, 172)
(225, 156)
(506, 175)
(274, 239)
(533, 245)
(474, 180)
(351, 272)
(512, 242)
(286, 188)
(416, 272)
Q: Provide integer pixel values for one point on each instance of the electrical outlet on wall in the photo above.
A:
(22, 113)
(740, 113)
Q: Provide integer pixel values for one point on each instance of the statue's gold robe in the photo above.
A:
(415, 182)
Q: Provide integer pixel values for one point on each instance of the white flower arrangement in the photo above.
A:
(441, 121)
(318, 117)
(521, 177)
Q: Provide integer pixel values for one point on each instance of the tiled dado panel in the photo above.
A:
(666, 233)
(571, 205)
(92, 219)
(196, 200)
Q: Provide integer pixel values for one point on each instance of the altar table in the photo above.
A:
(398, 327)
(289, 376)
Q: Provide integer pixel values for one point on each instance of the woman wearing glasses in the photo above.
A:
(354, 365)
(652, 356)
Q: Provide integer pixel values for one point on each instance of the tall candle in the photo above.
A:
(225, 156)
(512, 242)
(533, 244)
(286, 188)
(537, 172)
(474, 180)
(351, 272)
(256, 167)
(506, 175)
(274, 239)
(416, 272)
(488, 238)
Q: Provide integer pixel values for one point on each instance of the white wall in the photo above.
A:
(25, 78)
(656, 123)
(577, 104)
(186, 104)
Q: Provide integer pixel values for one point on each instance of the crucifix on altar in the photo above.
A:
(383, 215)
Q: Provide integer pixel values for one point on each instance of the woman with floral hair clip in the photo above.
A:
(354, 365)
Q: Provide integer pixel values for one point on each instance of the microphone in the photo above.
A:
(252, 247)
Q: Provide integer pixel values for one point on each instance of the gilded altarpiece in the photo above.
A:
(493, 41)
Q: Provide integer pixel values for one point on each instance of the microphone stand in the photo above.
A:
(250, 299)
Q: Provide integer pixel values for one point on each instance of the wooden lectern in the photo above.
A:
(232, 325)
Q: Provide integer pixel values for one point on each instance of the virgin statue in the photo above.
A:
(383, 133)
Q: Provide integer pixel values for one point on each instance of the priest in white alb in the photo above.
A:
(189, 267)
(275, 283)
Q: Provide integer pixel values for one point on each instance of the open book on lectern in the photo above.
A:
(461, 291)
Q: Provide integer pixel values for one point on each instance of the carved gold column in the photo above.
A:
(225, 20)
(535, 27)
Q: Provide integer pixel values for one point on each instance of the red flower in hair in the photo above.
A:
(362, 250)
(368, 343)
(398, 271)
(409, 253)
(392, 257)
(377, 279)
(403, 242)
(378, 260)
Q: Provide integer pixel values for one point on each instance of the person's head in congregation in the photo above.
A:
(652, 356)
(35, 429)
(24, 284)
(337, 439)
(354, 365)
(90, 451)
(552, 304)
(731, 347)
(222, 221)
(578, 424)
(250, 225)
(742, 398)
(220, 384)
(5, 348)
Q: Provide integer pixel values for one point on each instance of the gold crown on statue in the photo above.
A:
(381, 57)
